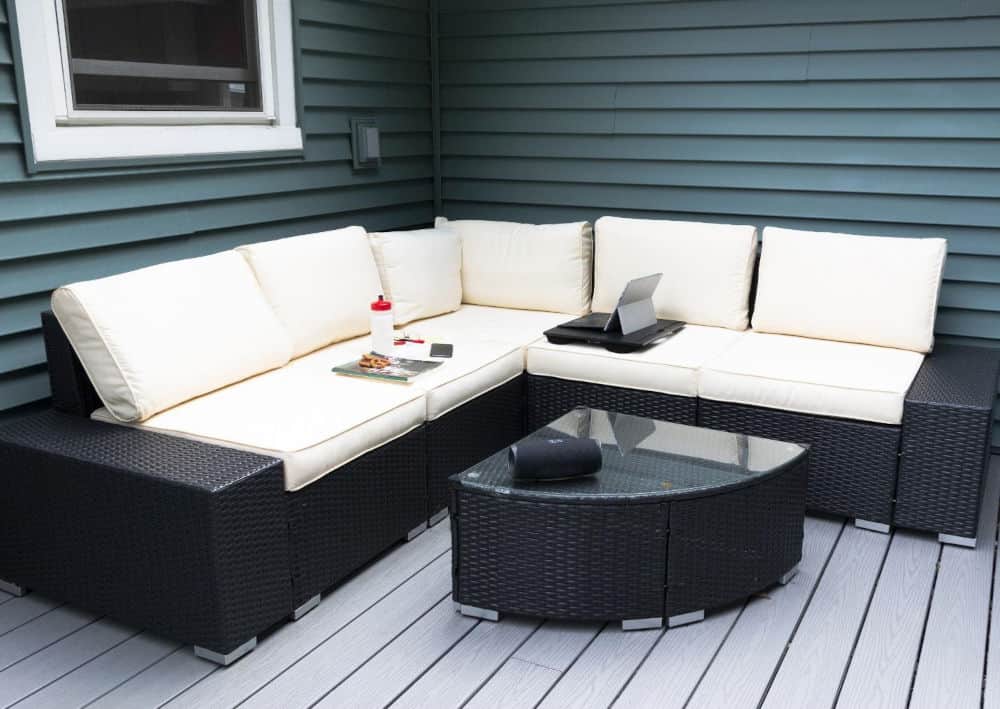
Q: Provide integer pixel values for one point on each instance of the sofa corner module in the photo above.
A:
(947, 422)
(184, 538)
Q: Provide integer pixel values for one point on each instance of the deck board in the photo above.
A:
(881, 669)
(741, 672)
(952, 657)
(868, 618)
(829, 627)
(468, 665)
(603, 669)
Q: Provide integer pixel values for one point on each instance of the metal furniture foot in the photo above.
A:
(306, 607)
(474, 612)
(230, 657)
(789, 575)
(872, 526)
(416, 531)
(438, 516)
(12, 588)
(685, 618)
(642, 623)
(968, 542)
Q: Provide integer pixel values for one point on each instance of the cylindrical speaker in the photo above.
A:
(554, 458)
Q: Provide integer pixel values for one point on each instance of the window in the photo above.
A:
(148, 79)
(163, 55)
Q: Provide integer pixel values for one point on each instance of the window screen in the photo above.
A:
(163, 55)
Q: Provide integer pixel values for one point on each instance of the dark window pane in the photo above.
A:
(163, 54)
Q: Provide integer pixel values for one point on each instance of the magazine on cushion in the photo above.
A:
(392, 369)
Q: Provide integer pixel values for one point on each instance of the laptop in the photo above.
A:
(633, 312)
(632, 326)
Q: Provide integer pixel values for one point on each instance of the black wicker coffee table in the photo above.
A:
(679, 520)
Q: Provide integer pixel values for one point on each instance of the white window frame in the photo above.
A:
(62, 134)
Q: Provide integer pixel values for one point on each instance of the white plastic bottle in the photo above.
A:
(382, 322)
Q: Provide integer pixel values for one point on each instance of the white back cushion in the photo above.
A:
(421, 271)
(528, 266)
(707, 268)
(156, 337)
(868, 289)
(320, 285)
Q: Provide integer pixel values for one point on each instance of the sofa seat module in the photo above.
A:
(303, 414)
(480, 323)
(660, 381)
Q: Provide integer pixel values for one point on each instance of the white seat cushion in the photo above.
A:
(153, 338)
(421, 271)
(475, 368)
(869, 289)
(311, 418)
(839, 379)
(530, 266)
(670, 367)
(478, 323)
(320, 285)
(707, 268)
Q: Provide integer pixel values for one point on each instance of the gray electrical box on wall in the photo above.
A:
(365, 143)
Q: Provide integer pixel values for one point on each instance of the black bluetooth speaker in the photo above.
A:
(555, 458)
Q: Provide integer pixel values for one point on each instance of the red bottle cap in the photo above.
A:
(381, 304)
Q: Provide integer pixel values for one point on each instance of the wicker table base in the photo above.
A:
(640, 559)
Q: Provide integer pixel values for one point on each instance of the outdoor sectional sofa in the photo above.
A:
(203, 474)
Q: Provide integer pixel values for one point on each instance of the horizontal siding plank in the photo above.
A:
(318, 121)
(863, 95)
(348, 40)
(327, 67)
(364, 15)
(893, 123)
(939, 182)
(23, 387)
(327, 94)
(22, 314)
(951, 63)
(22, 350)
(806, 205)
(55, 236)
(730, 40)
(26, 200)
(750, 149)
(10, 127)
(461, 18)
(8, 89)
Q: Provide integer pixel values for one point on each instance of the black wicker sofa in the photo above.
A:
(212, 544)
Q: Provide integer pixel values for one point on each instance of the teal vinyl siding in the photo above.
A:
(354, 59)
(862, 116)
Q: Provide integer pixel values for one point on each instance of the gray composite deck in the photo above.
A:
(871, 620)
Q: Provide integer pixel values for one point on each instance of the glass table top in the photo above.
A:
(641, 458)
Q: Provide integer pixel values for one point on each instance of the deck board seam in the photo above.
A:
(31, 620)
(74, 669)
(802, 614)
(923, 630)
(864, 619)
(50, 644)
(562, 673)
(132, 676)
(500, 665)
(635, 669)
(711, 660)
(318, 644)
(377, 652)
(989, 613)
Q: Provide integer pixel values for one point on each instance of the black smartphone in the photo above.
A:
(441, 350)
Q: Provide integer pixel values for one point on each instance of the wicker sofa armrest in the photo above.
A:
(947, 424)
(180, 537)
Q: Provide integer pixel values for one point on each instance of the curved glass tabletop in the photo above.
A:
(641, 458)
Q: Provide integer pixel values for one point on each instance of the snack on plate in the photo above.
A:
(372, 361)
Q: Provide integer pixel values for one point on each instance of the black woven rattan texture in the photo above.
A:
(852, 464)
(351, 515)
(472, 432)
(726, 547)
(947, 422)
(72, 391)
(186, 539)
(583, 562)
(549, 398)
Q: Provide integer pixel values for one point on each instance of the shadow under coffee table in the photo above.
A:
(678, 521)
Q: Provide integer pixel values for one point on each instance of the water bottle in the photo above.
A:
(382, 322)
